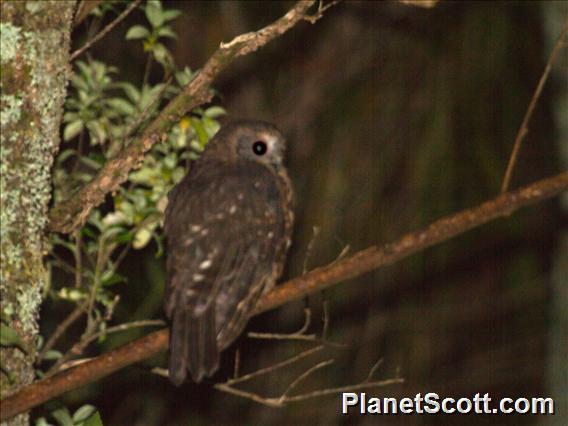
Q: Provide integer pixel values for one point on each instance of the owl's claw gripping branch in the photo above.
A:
(72, 213)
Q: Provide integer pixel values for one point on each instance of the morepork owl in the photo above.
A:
(228, 226)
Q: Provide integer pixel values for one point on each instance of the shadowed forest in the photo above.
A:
(395, 116)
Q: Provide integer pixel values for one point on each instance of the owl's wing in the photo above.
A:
(223, 228)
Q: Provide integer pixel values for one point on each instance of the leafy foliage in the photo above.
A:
(86, 415)
(102, 113)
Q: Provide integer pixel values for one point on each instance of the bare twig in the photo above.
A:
(84, 9)
(61, 329)
(362, 262)
(301, 334)
(286, 398)
(310, 248)
(70, 214)
(237, 364)
(524, 129)
(262, 371)
(105, 30)
(303, 377)
(373, 370)
(79, 347)
(78, 255)
(85, 341)
(312, 19)
(298, 335)
(340, 389)
(123, 327)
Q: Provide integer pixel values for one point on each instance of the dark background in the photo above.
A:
(396, 116)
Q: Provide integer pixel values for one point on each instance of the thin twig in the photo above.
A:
(310, 248)
(325, 316)
(285, 399)
(85, 7)
(271, 402)
(304, 376)
(62, 264)
(373, 370)
(105, 30)
(272, 368)
(147, 69)
(281, 336)
(524, 129)
(237, 364)
(85, 341)
(340, 389)
(312, 19)
(77, 253)
(61, 329)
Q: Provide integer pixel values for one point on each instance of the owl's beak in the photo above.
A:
(278, 163)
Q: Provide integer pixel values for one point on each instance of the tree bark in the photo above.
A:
(35, 69)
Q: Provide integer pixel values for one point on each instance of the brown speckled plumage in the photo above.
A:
(228, 226)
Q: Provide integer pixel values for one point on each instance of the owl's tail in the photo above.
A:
(193, 346)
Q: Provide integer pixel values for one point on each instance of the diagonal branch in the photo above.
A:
(314, 281)
(524, 129)
(72, 213)
(105, 31)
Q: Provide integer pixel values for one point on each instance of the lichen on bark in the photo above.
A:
(34, 73)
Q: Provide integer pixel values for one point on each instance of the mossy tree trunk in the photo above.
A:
(34, 72)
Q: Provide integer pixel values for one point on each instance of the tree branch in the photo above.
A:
(72, 213)
(105, 31)
(84, 9)
(314, 281)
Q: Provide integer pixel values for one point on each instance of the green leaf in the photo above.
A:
(137, 32)
(122, 106)
(71, 294)
(83, 413)
(131, 91)
(123, 238)
(215, 111)
(110, 278)
(170, 14)
(170, 161)
(42, 421)
(143, 236)
(64, 243)
(52, 355)
(114, 218)
(211, 126)
(65, 154)
(97, 132)
(62, 416)
(200, 130)
(87, 161)
(183, 77)
(94, 420)
(167, 32)
(9, 337)
(163, 56)
(154, 13)
(72, 129)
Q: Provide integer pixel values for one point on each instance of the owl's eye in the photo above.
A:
(259, 148)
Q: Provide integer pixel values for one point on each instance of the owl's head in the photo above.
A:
(250, 140)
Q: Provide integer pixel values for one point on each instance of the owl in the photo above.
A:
(228, 226)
